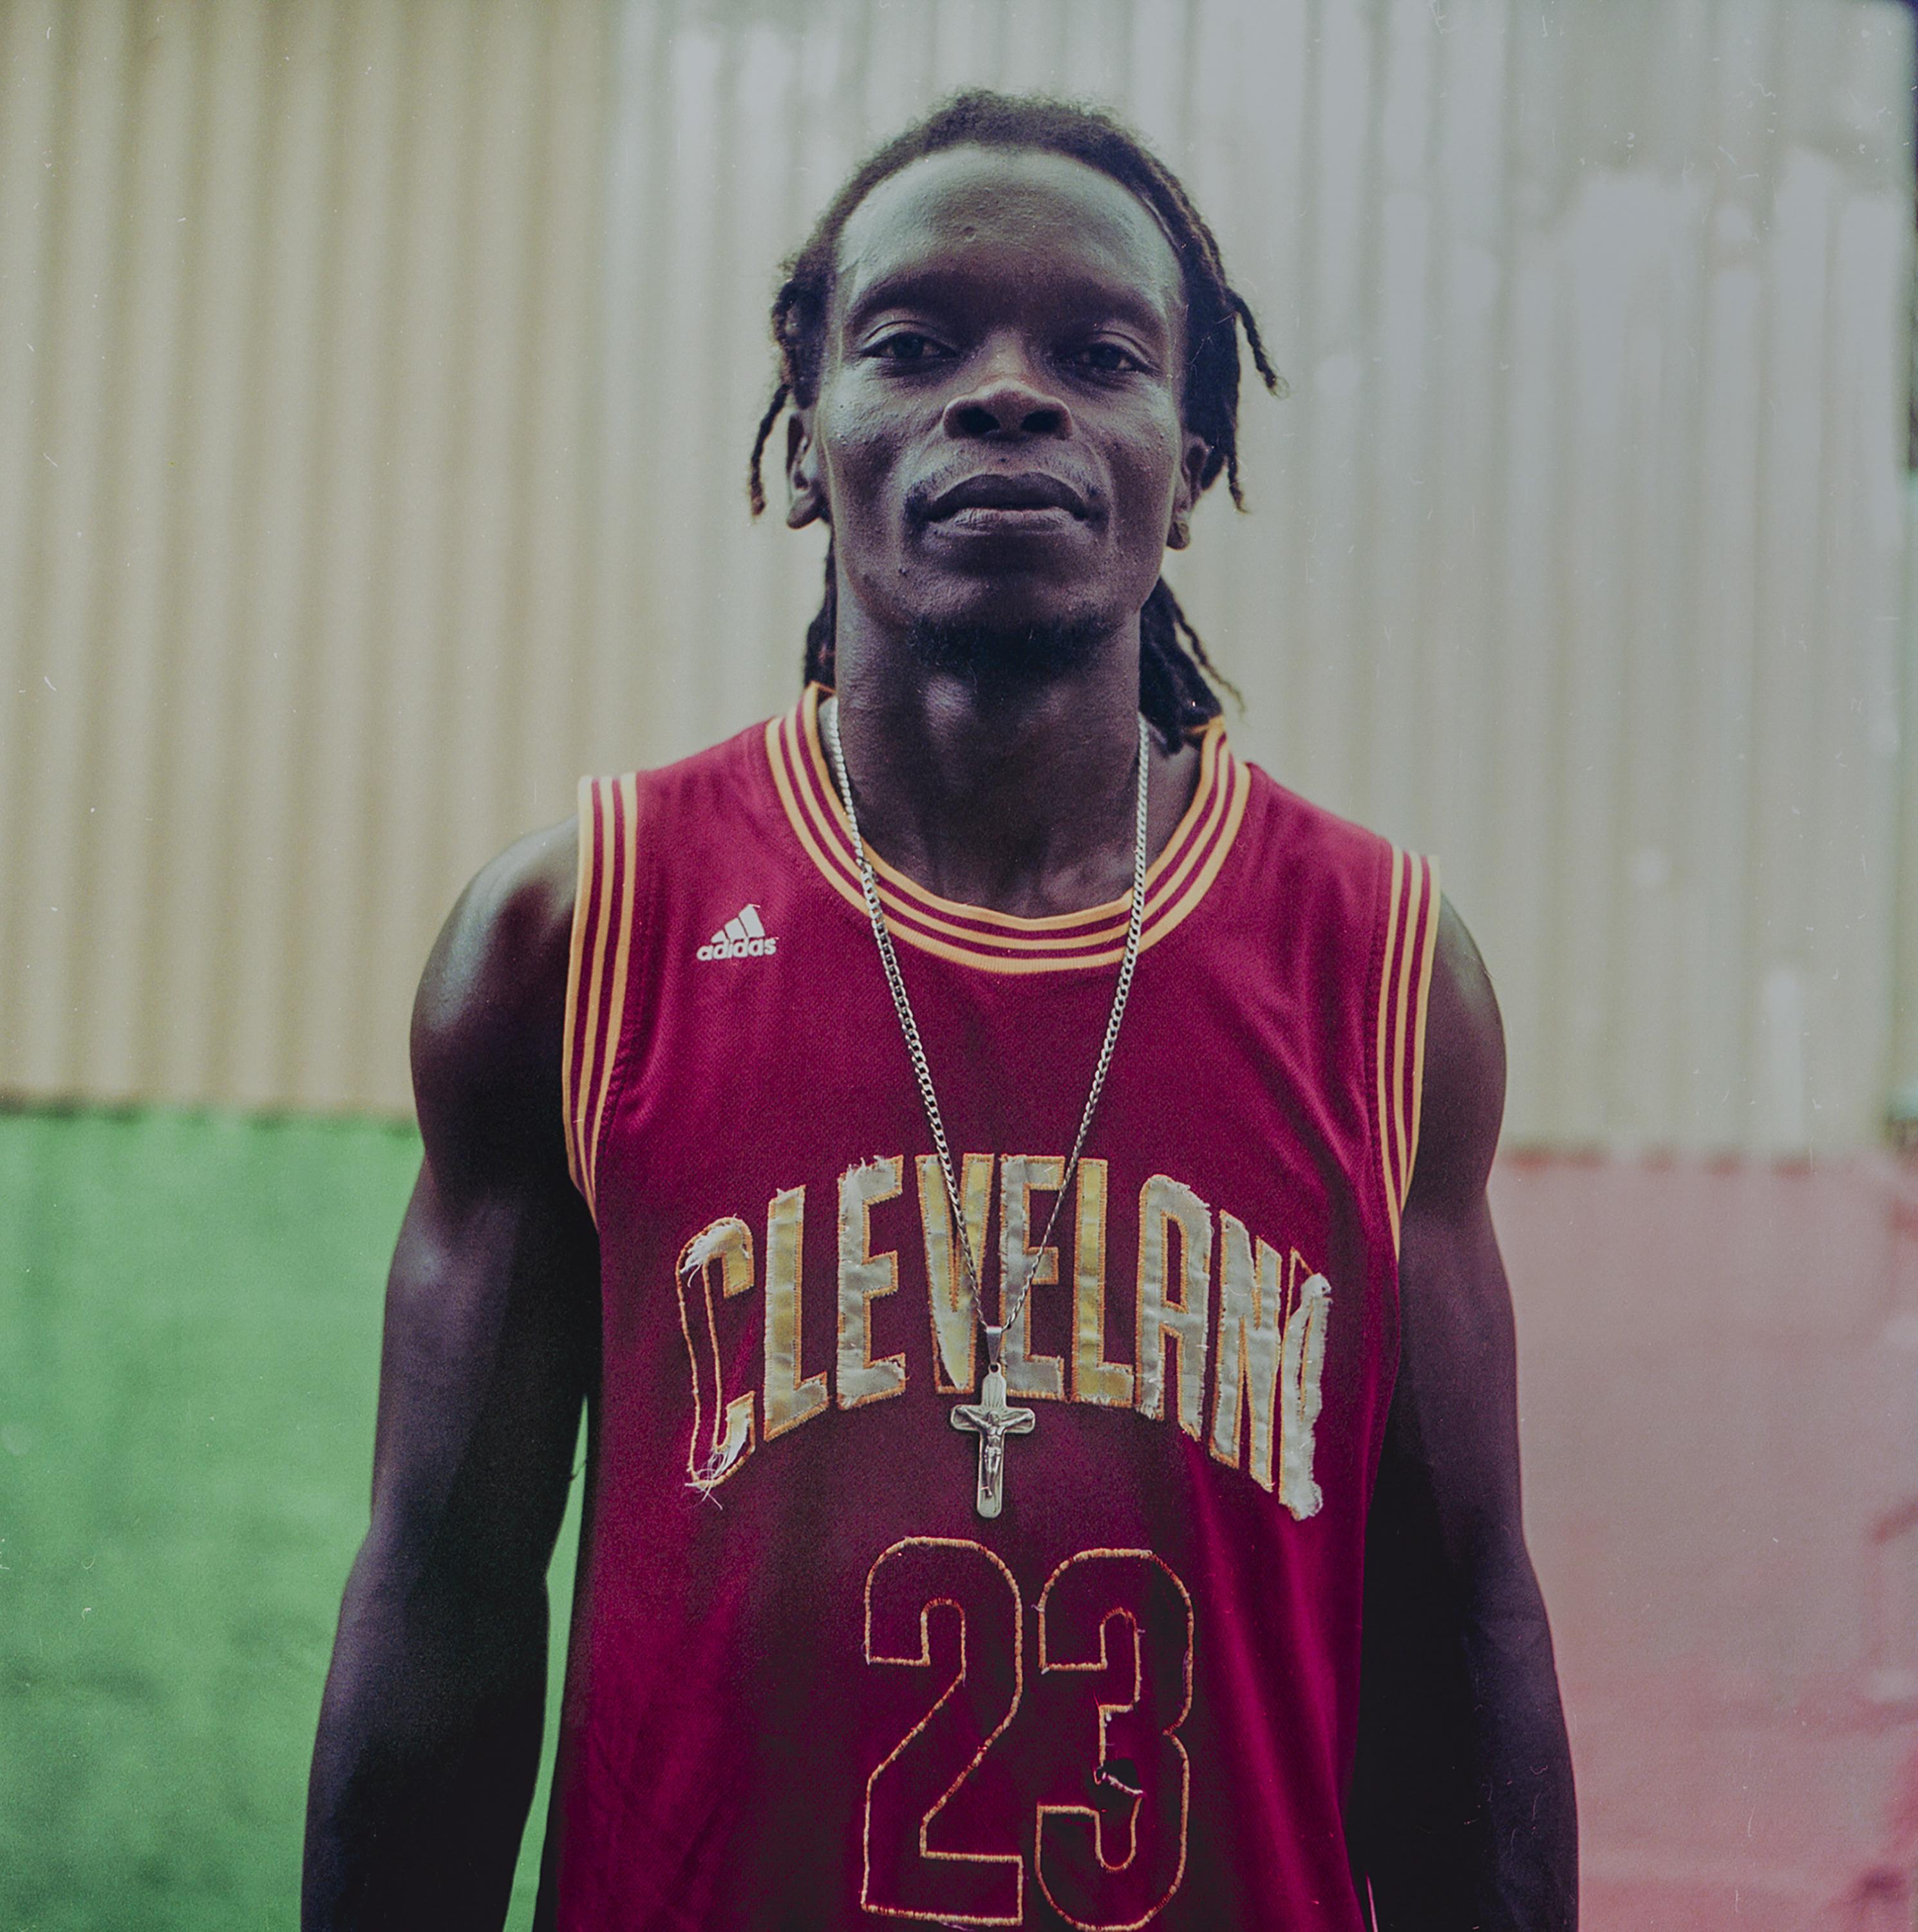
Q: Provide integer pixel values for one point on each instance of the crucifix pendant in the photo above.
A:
(992, 1419)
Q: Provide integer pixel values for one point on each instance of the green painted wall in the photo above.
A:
(190, 1312)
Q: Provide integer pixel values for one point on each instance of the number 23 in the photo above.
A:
(1115, 1626)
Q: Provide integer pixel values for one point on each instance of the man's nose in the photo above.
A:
(1009, 401)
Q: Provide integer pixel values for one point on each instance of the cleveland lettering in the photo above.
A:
(1228, 1340)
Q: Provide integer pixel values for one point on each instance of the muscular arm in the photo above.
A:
(1463, 1817)
(429, 1730)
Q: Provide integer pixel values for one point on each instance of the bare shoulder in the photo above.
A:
(1464, 1089)
(489, 1018)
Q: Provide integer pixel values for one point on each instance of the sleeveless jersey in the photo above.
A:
(809, 1686)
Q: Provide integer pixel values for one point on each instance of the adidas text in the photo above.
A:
(742, 937)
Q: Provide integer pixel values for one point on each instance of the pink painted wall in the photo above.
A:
(1718, 1382)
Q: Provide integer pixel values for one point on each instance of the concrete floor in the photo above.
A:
(1719, 1378)
(1719, 1381)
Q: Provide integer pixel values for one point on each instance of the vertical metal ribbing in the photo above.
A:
(375, 465)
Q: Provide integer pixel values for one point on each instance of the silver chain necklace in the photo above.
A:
(992, 1418)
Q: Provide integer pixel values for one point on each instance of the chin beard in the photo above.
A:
(1007, 654)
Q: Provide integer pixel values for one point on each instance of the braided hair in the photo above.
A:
(1174, 694)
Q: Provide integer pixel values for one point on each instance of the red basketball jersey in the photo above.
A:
(809, 1686)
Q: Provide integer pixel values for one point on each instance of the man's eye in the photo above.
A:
(1108, 358)
(908, 346)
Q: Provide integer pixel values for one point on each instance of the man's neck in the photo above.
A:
(1016, 795)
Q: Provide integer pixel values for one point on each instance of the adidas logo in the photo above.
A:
(742, 937)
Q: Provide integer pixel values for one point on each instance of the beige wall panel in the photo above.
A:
(30, 102)
(229, 220)
(187, 987)
(1903, 733)
(350, 657)
(378, 375)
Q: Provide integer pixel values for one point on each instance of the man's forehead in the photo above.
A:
(937, 211)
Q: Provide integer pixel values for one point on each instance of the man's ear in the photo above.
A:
(1195, 466)
(805, 500)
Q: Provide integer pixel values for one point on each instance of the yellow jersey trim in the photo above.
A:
(597, 968)
(1411, 932)
(1177, 882)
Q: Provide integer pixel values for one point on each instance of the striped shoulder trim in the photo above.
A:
(1411, 933)
(1000, 942)
(596, 973)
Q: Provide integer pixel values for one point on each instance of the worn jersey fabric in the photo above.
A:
(809, 1686)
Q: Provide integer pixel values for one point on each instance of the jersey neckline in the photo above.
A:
(1177, 880)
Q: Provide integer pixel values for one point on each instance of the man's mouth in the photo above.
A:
(1000, 499)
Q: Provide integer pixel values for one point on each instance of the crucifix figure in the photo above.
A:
(992, 1420)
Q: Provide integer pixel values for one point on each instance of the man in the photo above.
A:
(1024, 1319)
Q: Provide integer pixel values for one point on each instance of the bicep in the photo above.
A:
(1444, 1511)
(1462, 1807)
(492, 1304)
(486, 1357)
(1454, 1410)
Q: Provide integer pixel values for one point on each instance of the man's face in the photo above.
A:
(997, 440)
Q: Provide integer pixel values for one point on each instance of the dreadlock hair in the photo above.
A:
(1173, 693)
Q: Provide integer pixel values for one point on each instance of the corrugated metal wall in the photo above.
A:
(299, 306)
(375, 380)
